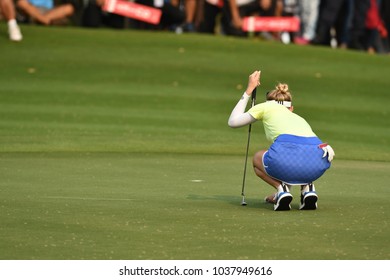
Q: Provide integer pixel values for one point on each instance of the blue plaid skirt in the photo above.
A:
(295, 160)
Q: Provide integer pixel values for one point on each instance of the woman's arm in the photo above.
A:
(238, 117)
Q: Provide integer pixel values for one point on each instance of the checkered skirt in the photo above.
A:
(295, 160)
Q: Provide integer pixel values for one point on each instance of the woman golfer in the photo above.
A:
(296, 156)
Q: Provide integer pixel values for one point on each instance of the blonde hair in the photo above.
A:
(280, 93)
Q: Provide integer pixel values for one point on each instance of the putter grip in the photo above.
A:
(254, 97)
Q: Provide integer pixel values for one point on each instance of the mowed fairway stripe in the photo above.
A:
(89, 198)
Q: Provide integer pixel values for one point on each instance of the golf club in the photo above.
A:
(243, 202)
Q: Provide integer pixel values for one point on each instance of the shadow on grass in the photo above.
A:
(233, 200)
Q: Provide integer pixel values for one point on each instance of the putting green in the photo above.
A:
(139, 206)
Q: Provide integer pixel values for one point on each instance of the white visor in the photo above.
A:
(284, 103)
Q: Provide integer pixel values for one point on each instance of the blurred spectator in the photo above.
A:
(341, 23)
(45, 12)
(345, 24)
(213, 10)
(94, 16)
(357, 33)
(243, 8)
(8, 10)
(290, 9)
(308, 14)
(172, 16)
(333, 15)
(385, 15)
(375, 29)
(190, 13)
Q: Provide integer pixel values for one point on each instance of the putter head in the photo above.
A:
(243, 203)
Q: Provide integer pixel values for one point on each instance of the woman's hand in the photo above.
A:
(253, 82)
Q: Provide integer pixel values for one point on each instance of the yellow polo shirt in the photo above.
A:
(277, 120)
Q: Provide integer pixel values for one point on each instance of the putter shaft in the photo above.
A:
(247, 151)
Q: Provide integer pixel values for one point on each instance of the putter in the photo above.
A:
(243, 202)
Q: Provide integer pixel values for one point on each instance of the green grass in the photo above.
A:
(115, 145)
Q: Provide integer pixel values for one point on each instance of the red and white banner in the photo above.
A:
(133, 10)
(290, 24)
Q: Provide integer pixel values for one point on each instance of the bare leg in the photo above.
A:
(33, 12)
(60, 12)
(190, 8)
(259, 170)
(282, 198)
(8, 9)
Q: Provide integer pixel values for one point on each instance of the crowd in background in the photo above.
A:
(355, 24)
